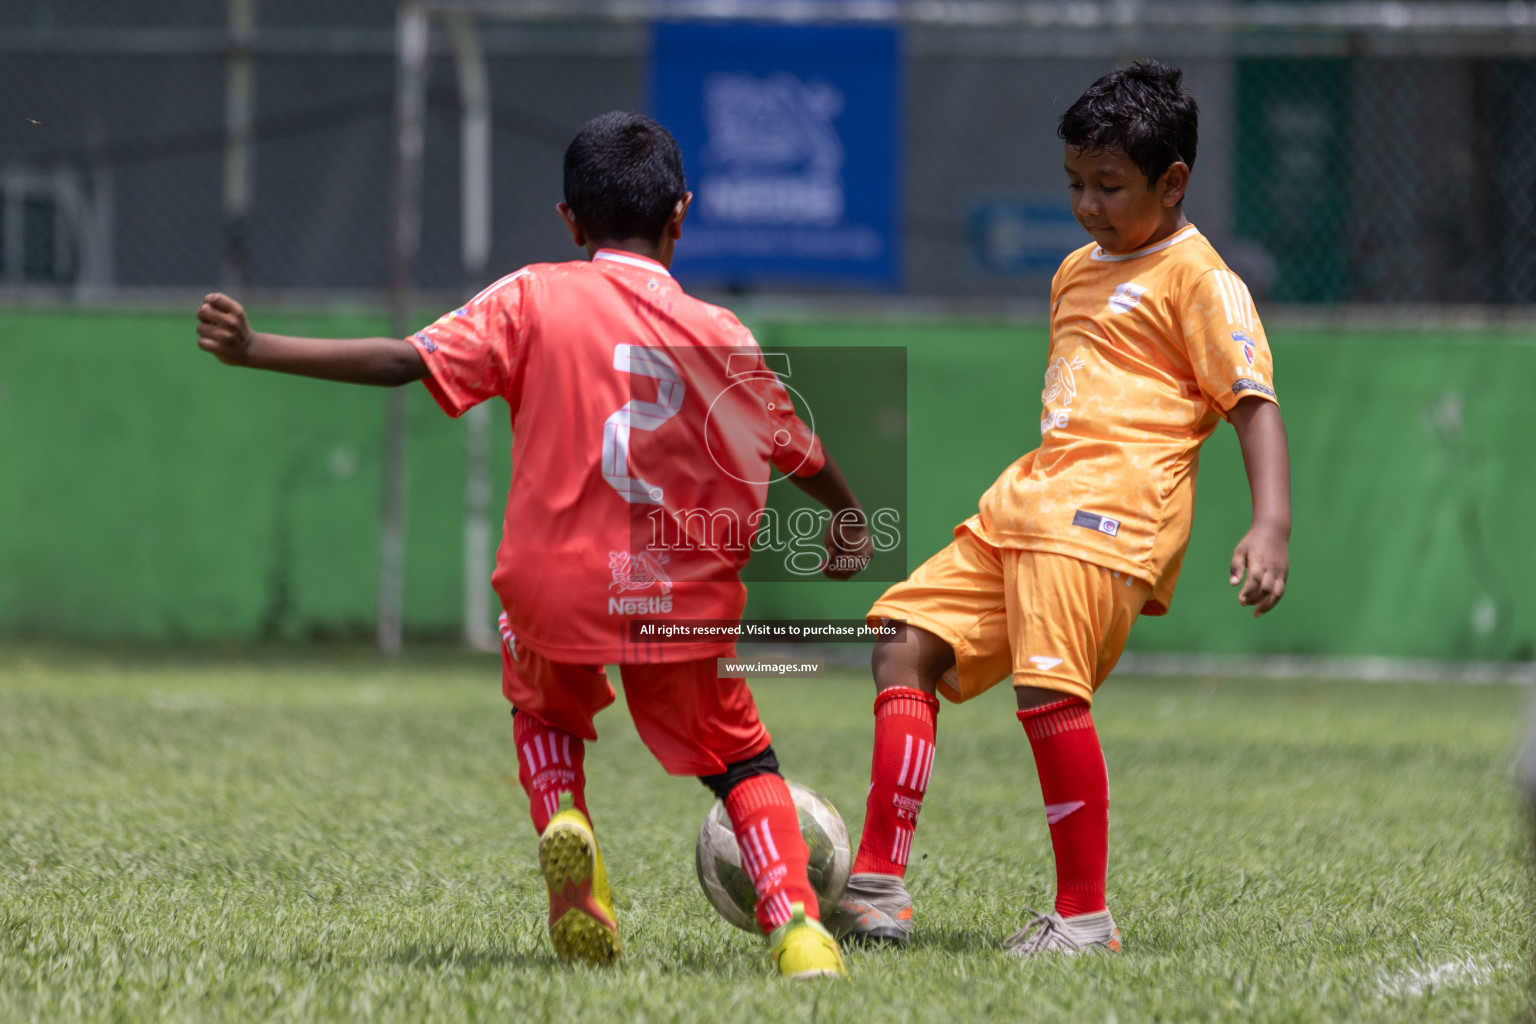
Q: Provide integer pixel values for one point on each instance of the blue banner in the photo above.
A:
(791, 143)
(1025, 235)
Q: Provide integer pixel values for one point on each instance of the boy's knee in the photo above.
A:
(766, 763)
(913, 657)
(886, 661)
(1031, 697)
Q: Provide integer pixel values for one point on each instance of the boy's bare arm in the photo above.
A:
(224, 331)
(1264, 552)
(847, 537)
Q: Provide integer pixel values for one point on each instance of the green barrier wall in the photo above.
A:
(149, 494)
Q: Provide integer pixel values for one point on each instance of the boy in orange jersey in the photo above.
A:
(1153, 342)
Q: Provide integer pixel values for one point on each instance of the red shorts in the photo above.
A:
(695, 723)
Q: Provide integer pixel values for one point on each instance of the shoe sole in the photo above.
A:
(845, 926)
(830, 965)
(568, 858)
(877, 937)
(1091, 950)
(823, 972)
(1110, 948)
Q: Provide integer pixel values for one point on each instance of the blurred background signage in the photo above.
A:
(1024, 234)
(791, 144)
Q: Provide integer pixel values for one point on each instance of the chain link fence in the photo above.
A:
(172, 144)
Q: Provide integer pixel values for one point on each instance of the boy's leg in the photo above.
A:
(907, 670)
(1070, 620)
(553, 704)
(767, 827)
(1075, 786)
(550, 768)
(552, 716)
(952, 607)
(701, 725)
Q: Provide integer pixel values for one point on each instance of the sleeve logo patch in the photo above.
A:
(425, 334)
(1094, 521)
(1248, 346)
(1245, 384)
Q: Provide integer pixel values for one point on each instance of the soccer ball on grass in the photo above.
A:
(727, 886)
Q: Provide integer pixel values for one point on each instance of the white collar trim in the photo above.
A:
(629, 259)
(1120, 257)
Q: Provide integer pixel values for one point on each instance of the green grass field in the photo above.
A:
(312, 838)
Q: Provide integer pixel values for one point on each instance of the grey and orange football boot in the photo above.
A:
(874, 908)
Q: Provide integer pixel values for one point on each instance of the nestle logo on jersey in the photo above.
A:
(639, 605)
(643, 570)
(1094, 521)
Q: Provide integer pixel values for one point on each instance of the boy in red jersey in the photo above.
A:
(1153, 342)
(630, 400)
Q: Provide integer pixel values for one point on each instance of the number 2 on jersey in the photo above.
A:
(637, 414)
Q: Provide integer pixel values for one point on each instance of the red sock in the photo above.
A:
(905, 722)
(772, 849)
(1075, 785)
(548, 765)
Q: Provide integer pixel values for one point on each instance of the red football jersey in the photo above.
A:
(645, 431)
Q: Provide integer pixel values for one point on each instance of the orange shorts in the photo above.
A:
(1047, 620)
(693, 722)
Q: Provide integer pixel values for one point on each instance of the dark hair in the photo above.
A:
(623, 176)
(1141, 110)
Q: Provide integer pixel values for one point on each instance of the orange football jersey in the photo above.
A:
(1149, 351)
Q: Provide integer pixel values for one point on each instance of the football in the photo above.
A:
(726, 885)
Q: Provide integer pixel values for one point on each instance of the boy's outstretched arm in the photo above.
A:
(1264, 552)
(847, 537)
(223, 330)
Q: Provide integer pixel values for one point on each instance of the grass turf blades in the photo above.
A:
(315, 839)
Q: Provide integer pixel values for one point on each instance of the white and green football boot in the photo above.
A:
(1052, 933)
